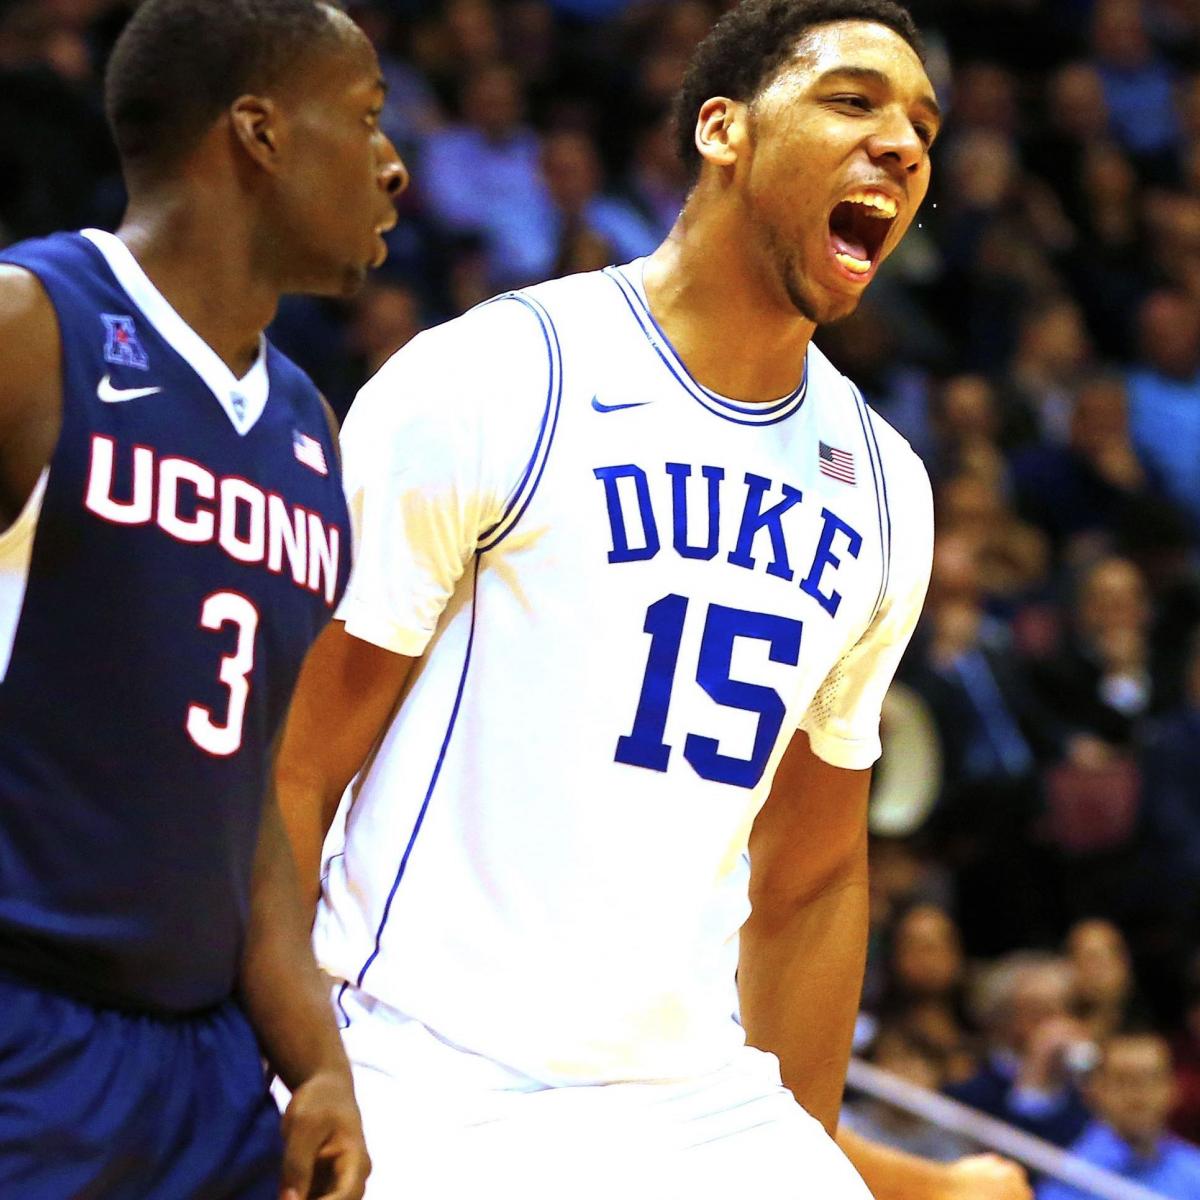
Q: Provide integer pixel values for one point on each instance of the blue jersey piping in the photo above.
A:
(437, 770)
(883, 510)
(702, 395)
(496, 533)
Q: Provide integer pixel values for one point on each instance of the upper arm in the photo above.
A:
(346, 694)
(842, 721)
(434, 450)
(812, 828)
(30, 386)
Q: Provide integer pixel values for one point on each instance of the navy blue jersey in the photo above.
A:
(192, 541)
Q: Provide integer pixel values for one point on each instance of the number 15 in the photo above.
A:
(643, 746)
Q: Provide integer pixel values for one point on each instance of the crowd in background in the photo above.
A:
(1036, 874)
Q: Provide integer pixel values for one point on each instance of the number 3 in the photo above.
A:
(227, 608)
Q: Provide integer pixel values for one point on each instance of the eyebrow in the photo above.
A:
(381, 85)
(871, 75)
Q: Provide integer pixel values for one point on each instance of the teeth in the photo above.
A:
(857, 265)
(886, 206)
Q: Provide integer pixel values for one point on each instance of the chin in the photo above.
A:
(839, 310)
(820, 310)
(354, 279)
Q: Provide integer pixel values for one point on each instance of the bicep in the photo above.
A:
(30, 386)
(813, 825)
(344, 699)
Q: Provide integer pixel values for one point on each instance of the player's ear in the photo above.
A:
(721, 130)
(255, 122)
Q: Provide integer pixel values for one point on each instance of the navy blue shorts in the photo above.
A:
(96, 1103)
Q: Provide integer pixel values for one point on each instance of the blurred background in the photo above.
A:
(1036, 817)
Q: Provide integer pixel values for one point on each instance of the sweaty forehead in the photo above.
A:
(856, 45)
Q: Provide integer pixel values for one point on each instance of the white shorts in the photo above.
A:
(445, 1124)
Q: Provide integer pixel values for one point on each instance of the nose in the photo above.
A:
(393, 174)
(896, 142)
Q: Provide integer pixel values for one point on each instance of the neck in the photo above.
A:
(204, 262)
(733, 326)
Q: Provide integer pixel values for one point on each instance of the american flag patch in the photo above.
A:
(310, 452)
(837, 464)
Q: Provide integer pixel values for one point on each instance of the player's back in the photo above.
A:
(157, 595)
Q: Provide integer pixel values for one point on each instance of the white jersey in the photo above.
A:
(627, 593)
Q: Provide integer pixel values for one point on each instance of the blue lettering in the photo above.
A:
(680, 472)
(622, 551)
(754, 519)
(825, 557)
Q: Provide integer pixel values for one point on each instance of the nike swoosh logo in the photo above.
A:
(114, 395)
(613, 407)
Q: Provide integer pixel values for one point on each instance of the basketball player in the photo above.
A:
(636, 567)
(175, 538)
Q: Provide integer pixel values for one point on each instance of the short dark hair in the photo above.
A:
(179, 63)
(747, 46)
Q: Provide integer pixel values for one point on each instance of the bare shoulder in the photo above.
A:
(30, 386)
(27, 309)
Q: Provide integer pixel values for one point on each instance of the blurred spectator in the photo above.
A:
(1035, 1048)
(926, 993)
(482, 176)
(917, 1062)
(474, 33)
(985, 97)
(998, 233)
(1170, 762)
(1137, 87)
(926, 961)
(967, 422)
(1104, 680)
(56, 159)
(1053, 350)
(386, 317)
(573, 176)
(1109, 263)
(864, 346)
(1173, 233)
(1164, 394)
(1076, 117)
(662, 38)
(656, 184)
(1185, 1120)
(410, 108)
(1094, 492)
(1105, 998)
(1012, 557)
(1132, 1091)
(901, 875)
(994, 733)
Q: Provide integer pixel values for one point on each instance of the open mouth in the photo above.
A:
(858, 227)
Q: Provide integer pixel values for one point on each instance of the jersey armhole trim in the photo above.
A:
(16, 558)
(22, 529)
(491, 537)
(451, 721)
(881, 498)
